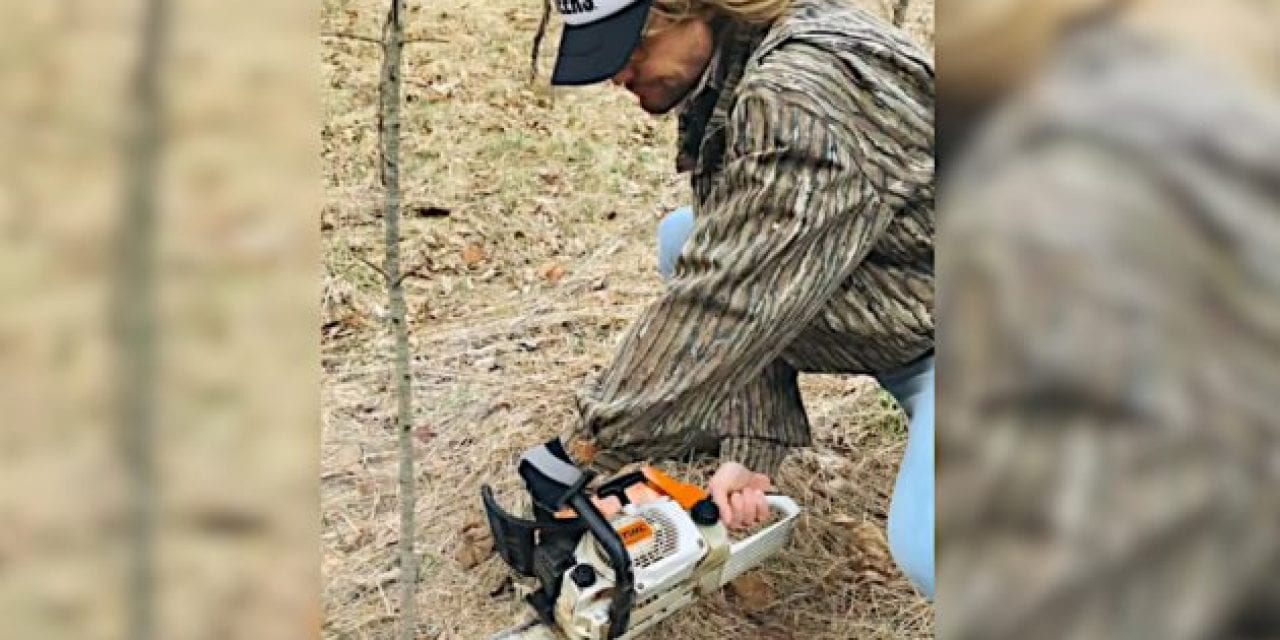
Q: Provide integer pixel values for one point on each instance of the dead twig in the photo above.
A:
(350, 36)
(375, 267)
(537, 39)
(346, 35)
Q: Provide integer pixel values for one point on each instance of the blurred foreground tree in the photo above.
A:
(134, 316)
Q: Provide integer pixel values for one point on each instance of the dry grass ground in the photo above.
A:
(530, 221)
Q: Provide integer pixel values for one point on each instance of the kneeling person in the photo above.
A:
(807, 127)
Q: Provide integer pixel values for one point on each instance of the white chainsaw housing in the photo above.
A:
(678, 562)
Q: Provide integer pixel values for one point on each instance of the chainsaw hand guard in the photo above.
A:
(516, 538)
(624, 593)
(551, 477)
(542, 548)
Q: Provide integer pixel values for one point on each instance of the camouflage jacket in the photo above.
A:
(810, 147)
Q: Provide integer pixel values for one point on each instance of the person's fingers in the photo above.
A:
(760, 506)
(741, 511)
(761, 481)
(748, 517)
(735, 505)
(720, 496)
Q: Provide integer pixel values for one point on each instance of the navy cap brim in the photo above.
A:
(595, 52)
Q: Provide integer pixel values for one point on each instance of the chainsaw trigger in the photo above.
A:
(685, 494)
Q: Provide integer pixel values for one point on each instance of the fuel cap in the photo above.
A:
(705, 513)
(583, 576)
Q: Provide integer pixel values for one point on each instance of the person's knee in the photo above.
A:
(673, 231)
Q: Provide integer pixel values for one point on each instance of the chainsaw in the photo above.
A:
(592, 577)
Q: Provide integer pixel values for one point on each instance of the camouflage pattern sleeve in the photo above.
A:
(801, 198)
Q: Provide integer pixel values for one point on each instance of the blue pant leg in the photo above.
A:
(911, 510)
(673, 231)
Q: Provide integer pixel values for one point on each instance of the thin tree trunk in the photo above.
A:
(537, 39)
(392, 47)
(133, 317)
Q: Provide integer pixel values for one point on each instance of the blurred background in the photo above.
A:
(159, 281)
(1108, 454)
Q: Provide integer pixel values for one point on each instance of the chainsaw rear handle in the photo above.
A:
(617, 487)
(624, 591)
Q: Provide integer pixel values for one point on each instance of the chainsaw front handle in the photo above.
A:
(624, 591)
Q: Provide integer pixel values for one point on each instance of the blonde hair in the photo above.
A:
(748, 11)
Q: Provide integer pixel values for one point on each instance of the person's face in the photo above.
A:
(667, 63)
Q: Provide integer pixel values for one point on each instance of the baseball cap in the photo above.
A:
(598, 38)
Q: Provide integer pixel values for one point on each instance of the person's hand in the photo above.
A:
(739, 493)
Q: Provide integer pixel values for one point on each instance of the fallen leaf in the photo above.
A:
(500, 406)
(753, 593)
(349, 455)
(870, 539)
(475, 530)
(844, 520)
(869, 550)
(475, 546)
(424, 434)
(473, 255)
(354, 539)
(583, 450)
(553, 273)
(504, 587)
